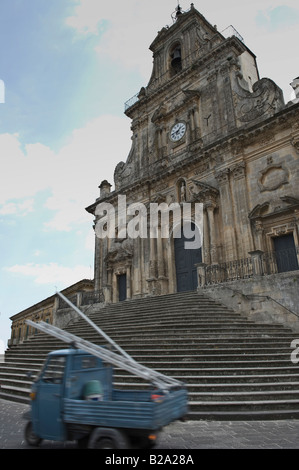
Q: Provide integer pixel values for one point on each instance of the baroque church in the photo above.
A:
(206, 129)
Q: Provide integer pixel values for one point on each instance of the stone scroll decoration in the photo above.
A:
(124, 172)
(265, 100)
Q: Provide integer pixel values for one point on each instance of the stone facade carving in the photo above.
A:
(237, 155)
(265, 99)
(273, 177)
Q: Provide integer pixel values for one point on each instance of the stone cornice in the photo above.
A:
(242, 136)
(49, 301)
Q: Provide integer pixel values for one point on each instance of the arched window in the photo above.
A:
(175, 59)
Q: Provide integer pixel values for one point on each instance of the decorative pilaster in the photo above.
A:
(242, 223)
(228, 222)
(213, 246)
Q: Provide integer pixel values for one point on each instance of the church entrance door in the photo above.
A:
(185, 261)
(285, 253)
(122, 287)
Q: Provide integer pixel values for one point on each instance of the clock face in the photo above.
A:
(177, 131)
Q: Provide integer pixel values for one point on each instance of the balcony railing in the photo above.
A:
(258, 264)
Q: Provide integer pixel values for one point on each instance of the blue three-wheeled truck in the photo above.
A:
(73, 398)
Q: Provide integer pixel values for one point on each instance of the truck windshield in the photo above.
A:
(54, 370)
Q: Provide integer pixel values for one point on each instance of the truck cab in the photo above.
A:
(66, 374)
(73, 399)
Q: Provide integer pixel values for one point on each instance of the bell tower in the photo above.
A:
(200, 90)
(188, 131)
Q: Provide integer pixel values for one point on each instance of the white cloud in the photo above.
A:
(52, 273)
(132, 26)
(2, 347)
(72, 175)
(20, 209)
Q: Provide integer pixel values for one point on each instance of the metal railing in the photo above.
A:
(229, 271)
(263, 264)
(89, 298)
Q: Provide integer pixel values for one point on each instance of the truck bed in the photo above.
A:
(128, 410)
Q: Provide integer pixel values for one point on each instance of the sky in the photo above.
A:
(66, 69)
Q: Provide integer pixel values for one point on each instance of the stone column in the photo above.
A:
(108, 287)
(228, 222)
(197, 123)
(153, 262)
(97, 264)
(206, 238)
(242, 223)
(114, 288)
(128, 279)
(213, 248)
(259, 230)
(160, 260)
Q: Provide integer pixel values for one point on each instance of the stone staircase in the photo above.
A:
(233, 368)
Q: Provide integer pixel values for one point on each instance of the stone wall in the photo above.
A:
(267, 299)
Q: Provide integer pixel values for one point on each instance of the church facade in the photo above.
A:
(206, 131)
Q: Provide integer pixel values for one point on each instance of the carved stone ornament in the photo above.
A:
(120, 251)
(202, 192)
(238, 171)
(222, 176)
(283, 203)
(266, 99)
(273, 177)
(159, 114)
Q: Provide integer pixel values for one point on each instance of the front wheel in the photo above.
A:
(31, 438)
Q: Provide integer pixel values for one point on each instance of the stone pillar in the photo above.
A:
(259, 230)
(171, 266)
(242, 223)
(153, 262)
(213, 248)
(114, 288)
(201, 274)
(160, 257)
(257, 264)
(97, 264)
(228, 222)
(128, 279)
(108, 287)
(197, 123)
(206, 239)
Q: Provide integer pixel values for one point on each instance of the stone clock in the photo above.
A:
(177, 131)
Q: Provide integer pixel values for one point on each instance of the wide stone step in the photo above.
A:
(183, 330)
(266, 396)
(232, 367)
(224, 388)
(249, 405)
(181, 350)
